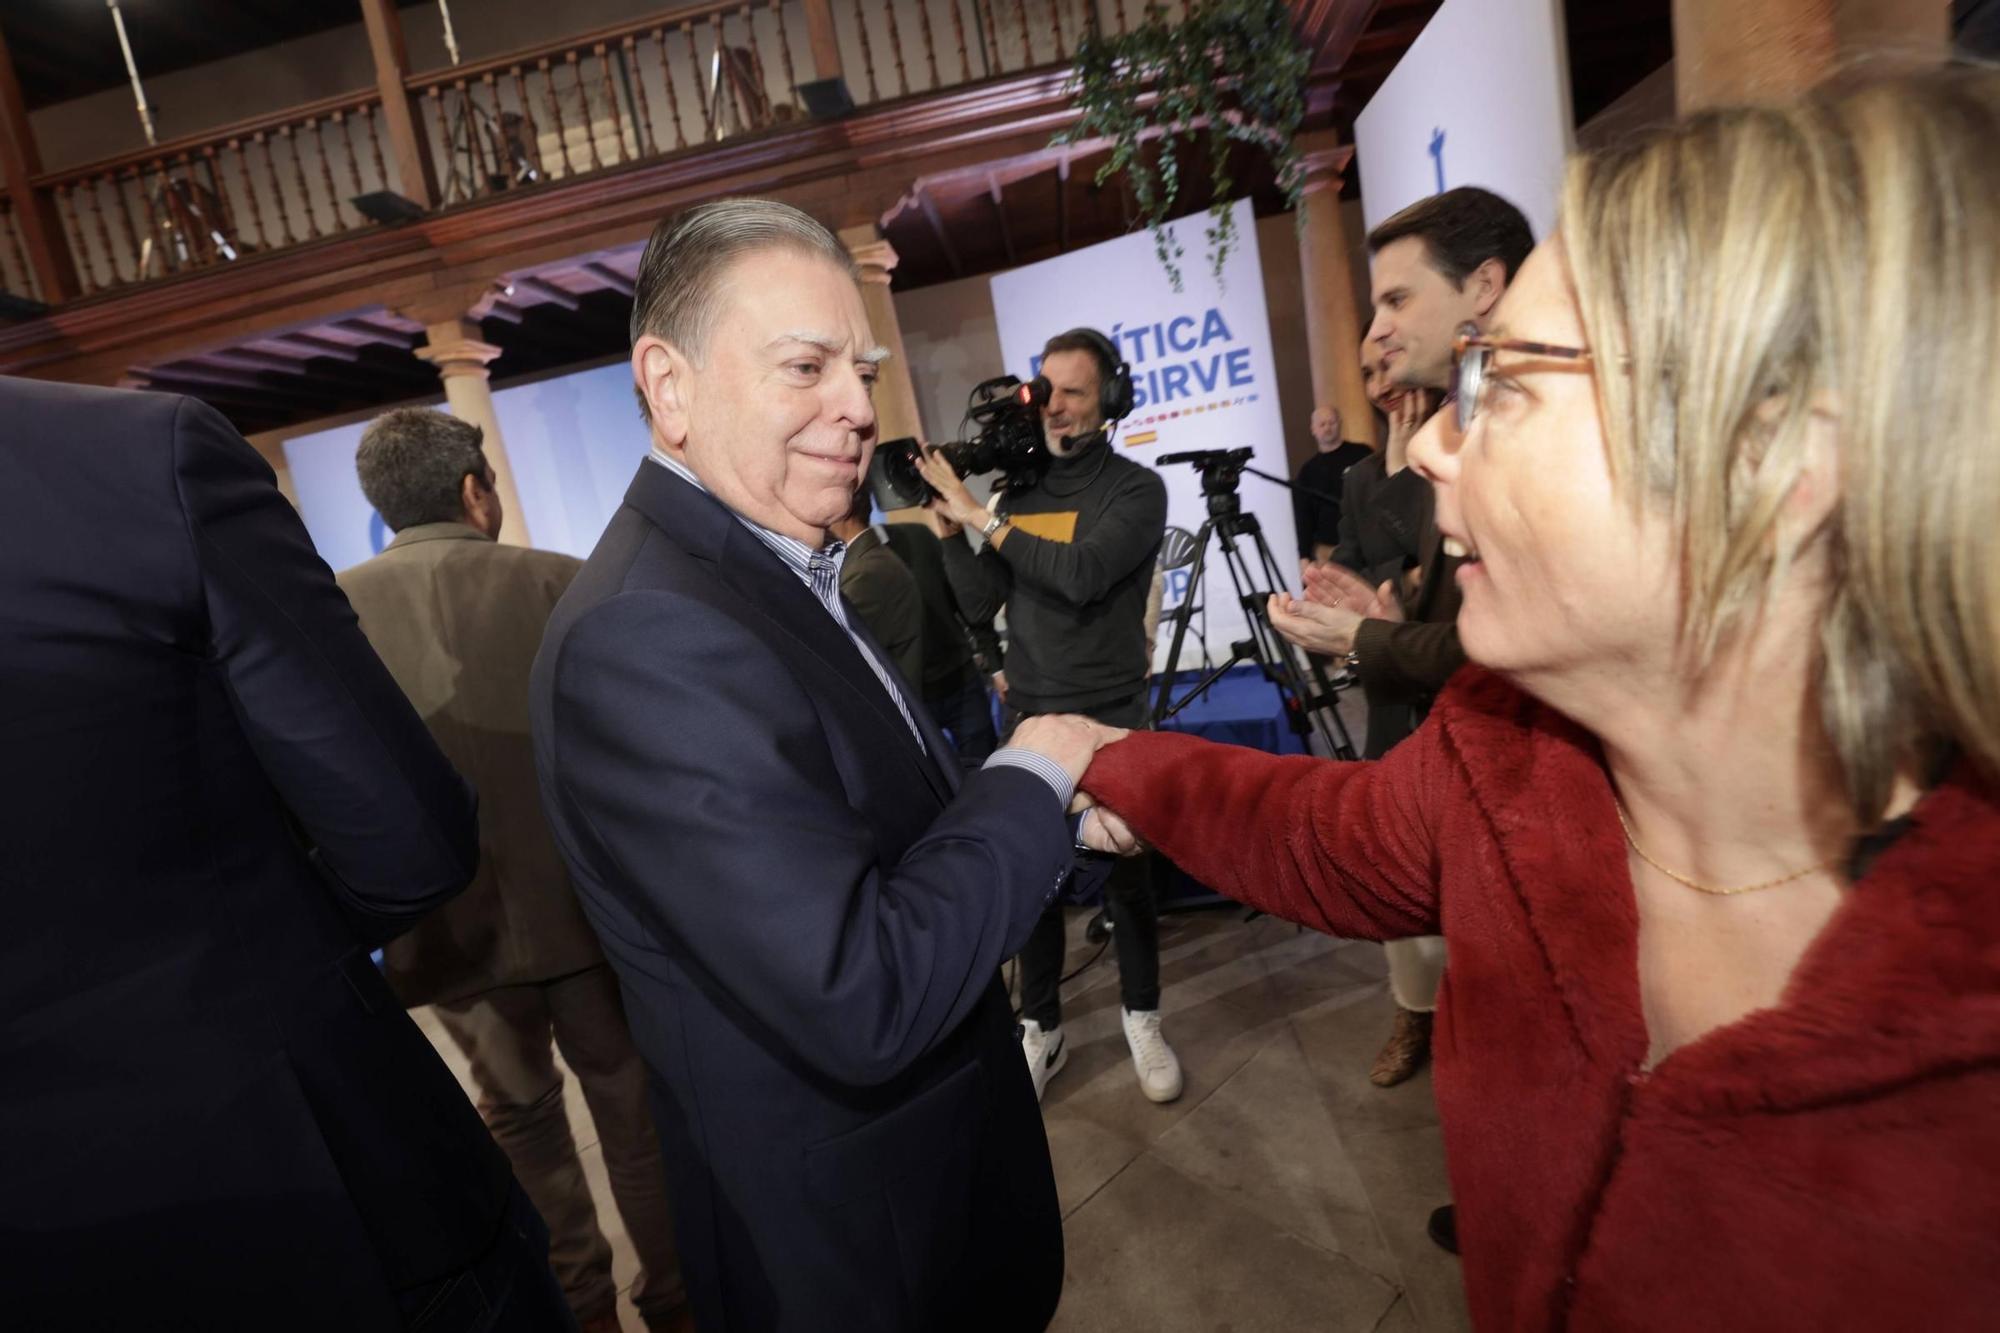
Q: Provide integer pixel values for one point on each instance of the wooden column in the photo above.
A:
(416, 180)
(454, 347)
(895, 394)
(34, 211)
(1333, 310)
(825, 41)
(1765, 50)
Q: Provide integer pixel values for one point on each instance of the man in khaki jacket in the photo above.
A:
(457, 618)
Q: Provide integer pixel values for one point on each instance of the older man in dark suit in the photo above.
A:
(216, 1115)
(806, 907)
(511, 964)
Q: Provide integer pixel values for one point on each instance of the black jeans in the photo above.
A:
(1128, 901)
(966, 716)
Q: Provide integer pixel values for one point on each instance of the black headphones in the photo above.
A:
(1114, 377)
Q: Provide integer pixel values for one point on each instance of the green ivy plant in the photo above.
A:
(1231, 71)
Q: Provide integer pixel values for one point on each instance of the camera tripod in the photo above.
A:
(1309, 697)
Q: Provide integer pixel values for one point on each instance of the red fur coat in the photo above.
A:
(1829, 1163)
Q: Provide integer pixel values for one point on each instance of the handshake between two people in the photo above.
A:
(1336, 601)
(1073, 742)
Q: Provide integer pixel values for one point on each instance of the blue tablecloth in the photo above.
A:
(1240, 709)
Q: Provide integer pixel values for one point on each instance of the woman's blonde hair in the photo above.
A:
(1747, 266)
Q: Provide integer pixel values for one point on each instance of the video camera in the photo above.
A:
(1006, 418)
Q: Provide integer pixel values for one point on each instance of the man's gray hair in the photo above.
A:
(674, 297)
(413, 462)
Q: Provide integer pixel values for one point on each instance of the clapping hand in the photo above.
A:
(1326, 630)
(1334, 585)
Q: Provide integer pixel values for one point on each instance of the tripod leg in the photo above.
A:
(1182, 615)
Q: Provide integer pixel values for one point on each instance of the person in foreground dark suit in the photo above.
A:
(216, 1114)
(806, 908)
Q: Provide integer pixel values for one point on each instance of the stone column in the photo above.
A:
(453, 346)
(1766, 50)
(895, 394)
(1333, 310)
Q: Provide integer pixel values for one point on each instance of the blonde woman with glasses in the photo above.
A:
(1713, 824)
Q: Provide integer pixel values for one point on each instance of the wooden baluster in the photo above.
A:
(277, 188)
(311, 229)
(763, 101)
(22, 276)
(723, 63)
(1027, 41)
(491, 137)
(667, 78)
(958, 31)
(867, 52)
(325, 171)
(226, 221)
(589, 117)
(86, 278)
(93, 198)
(611, 99)
(475, 148)
(154, 233)
(643, 136)
(374, 126)
(989, 36)
(503, 152)
(555, 111)
(701, 87)
(250, 192)
(1055, 21)
(1122, 29)
(785, 48)
(896, 42)
(930, 46)
(123, 217)
(528, 126)
(447, 169)
(105, 235)
(340, 194)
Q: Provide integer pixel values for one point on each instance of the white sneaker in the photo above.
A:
(1046, 1052)
(1159, 1068)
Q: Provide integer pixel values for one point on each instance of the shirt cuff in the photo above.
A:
(1043, 767)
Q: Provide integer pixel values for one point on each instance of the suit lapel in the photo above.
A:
(704, 526)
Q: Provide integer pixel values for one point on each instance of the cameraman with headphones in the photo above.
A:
(1070, 557)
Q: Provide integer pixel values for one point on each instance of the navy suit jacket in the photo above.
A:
(213, 1113)
(807, 915)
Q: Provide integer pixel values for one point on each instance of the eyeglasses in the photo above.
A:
(1472, 353)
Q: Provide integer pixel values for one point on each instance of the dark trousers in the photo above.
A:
(966, 715)
(1128, 901)
(509, 1290)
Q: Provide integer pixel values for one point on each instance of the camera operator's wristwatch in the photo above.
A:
(992, 525)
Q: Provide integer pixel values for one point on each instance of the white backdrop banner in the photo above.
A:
(1202, 368)
(1480, 98)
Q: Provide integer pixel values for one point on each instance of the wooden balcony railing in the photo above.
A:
(672, 83)
(17, 275)
(639, 90)
(257, 186)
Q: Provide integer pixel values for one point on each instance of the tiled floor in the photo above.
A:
(1282, 1192)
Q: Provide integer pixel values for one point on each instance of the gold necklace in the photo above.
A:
(1679, 878)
